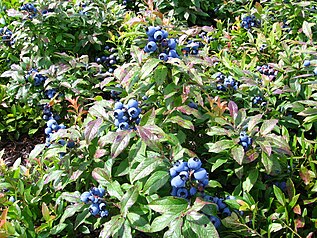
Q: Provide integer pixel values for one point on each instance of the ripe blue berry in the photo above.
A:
(133, 103)
(226, 212)
(173, 172)
(192, 191)
(163, 56)
(84, 197)
(179, 166)
(150, 31)
(133, 112)
(151, 46)
(315, 70)
(194, 163)
(158, 35)
(182, 193)
(216, 221)
(200, 174)
(94, 209)
(306, 63)
(172, 44)
(118, 113)
(178, 182)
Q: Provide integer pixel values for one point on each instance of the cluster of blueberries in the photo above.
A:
(94, 197)
(31, 9)
(192, 105)
(258, 100)
(11, 198)
(250, 21)
(188, 178)
(6, 36)
(307, 63)
(205, 37)
(192, 48)
(224, 83)
(222, 208)
(126, 115)
(37, 77)
(268, 70)
(50, 93)
(245, 140)
(110, 59)
(158, 42)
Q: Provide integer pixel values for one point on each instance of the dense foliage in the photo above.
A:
(161, 118)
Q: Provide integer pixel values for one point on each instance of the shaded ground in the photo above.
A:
(21, 148)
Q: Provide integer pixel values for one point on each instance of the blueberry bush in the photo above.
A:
(159, 118)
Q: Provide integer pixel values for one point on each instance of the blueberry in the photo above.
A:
(111, 70)
(174, 191)
(151, 46)
(133, 112)
(118, 113)
(205, 182)
(216, 221)
(173, 54)
(150, 30)
(194, 163)
(172, 44)
(102, 206)
(244, 145)
(179, 166)
(163, 56)
(94, 209)
(132, 103)
(123, 126)
(226, 212)
(84, 197)
(158, 35)
(55, 127)
(184, 175)
(182, 193)
(12, 199)
(48, 131)
(118, 105)
(95, 191)
(173, 172)
(70, 144)
(193, 105)
(200, 174)
(221, 204)
(102, 192)
(177, 182)
(192, 191)
(315, 70)
(230, 197)
(51, 122)
(62, 142)
(98, 60)
(104, 213)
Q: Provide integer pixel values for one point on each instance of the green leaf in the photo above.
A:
(201, 225)
(279, 195)
(71, 210)
(128, 199)
(307, 29)
(219, 146)
(175, 229)
(238, 154)
(253, 122)
(144, 168)
(138, 222)
(36, 151)
(71, 197)
(182, 122)
(92, 129)
(57, 229)
(250, 180)
(114, 190)
(265, 146)
(216, 130)
(268, 126)
(157, 180)
(148, 67)
(160, 222)
(218, 163)
(171, 205)
(274, 227)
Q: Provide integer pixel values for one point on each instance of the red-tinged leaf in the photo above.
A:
(101, 176)
(308, 112)
(92, 129)
(45, 212)
(99, 153)
(3, 217)
(297, 210)
(278, 144)
(182, 122)
(189, 111)
(251, 155)
(238, 154)
(299, 223)
(310, 235)
(107, 139)
(265, 146)
(151, 135)
(268, 126)
(120, 142)
(14, 13)
(306, 175)
(233, 109)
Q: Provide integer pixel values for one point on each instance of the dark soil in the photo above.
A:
(21, 148)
